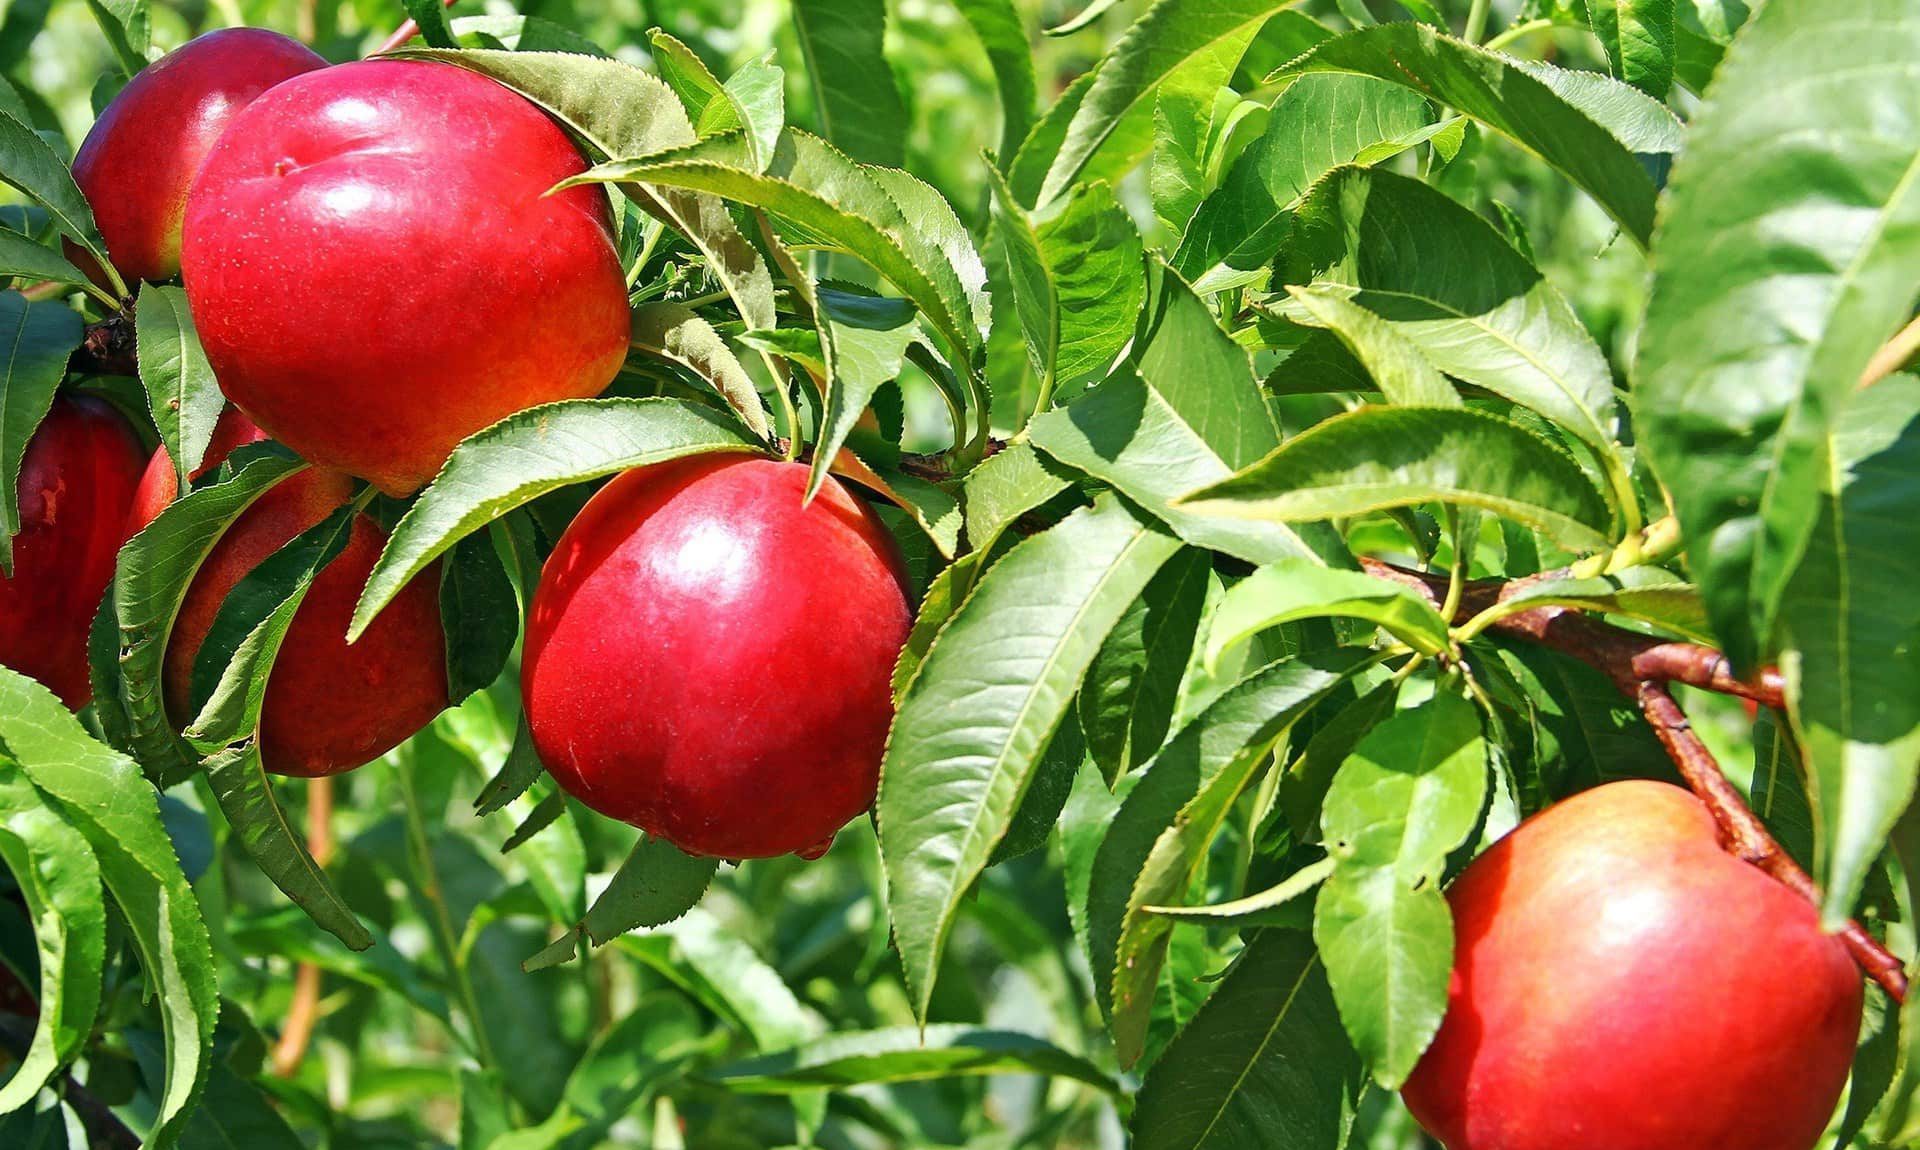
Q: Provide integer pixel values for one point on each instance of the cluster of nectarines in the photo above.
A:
(376, 270)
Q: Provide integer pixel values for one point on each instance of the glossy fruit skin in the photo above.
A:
(144, 151)
(1621, 982)
(77, 480)
(376, 272)
(330, 707)
(709, 660)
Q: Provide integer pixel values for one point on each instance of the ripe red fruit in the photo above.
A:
(330, 707)
(1623, 983)
(377, 272)
(708, 659)
(76, 482)
(142, 154)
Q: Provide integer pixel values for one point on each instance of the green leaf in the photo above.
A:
(826, 200)
(181, 392)
(59, 880)
(1780, 789)
(520, 34)
(517, 772)
(1409, 794)
(1289, 590)
(1788, 251)
(1645, 593)
(620, 110)
(1581, 724)
(31, 260)
(1127, 701)
(1266, 908)
(1077, 280)
(1265, 1065)
(1007, 485)
(1382, 457)
(431, 17)
(658, 883)
(1319, 123)
(1456, 289)
(1875, 1063)
(100, 792)
(854, 95)
(479, 615)
(127, 27)
(1395, 363)
(1173, 37)
(973, 721)
(1851, 625)
(527, 455)
(30, 164)
(1228, 740)
(728, 977)
(713, 109)
(906, 1054)
(38, 338)
(151, 577)
(679, 335)
(869, 335)
(1046, 796)
(1093, 10)
(1587, 126)
(1003, 34)
(1639, 38)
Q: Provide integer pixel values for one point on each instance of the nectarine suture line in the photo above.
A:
(1642, 668)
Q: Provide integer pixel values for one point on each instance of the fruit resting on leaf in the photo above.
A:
(377, 272)
(137, 163)
(1621, 982)
(708, 659)
(329, 707)
(76, 482)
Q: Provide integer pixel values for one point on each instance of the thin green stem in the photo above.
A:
(1462, 558)
(1477, 21)
(1516, 32)
(426, 880)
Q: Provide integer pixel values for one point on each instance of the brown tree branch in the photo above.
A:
(1642, 667)
(296, 1034)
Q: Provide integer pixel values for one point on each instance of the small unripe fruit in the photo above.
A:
(1621, 982)
(330, 707)
(77, 480)
(144, 151)
(709, 659)
(376, 269)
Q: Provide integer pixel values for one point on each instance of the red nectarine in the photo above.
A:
(76, 482)
(709, 660)
(1621, 982)
(377, 272)
(142, 154)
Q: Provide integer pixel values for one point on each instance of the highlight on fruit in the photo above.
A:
(987, 574)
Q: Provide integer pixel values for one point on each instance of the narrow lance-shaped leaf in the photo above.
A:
(1002, 32)
(527, 455)
(102, 793)
(1398, 367)
(1127, 702)
(1852, 629)
(657, 884)
(853, 88)
(152, 574)
(30, 164)
(59, 880)
(23, 258)
(1318, 124)
(1265, 1065)
(1589, 127)
(1383, 457)
(974, 720)
(181, 392)
(1455, 288)
(1789, 250)
(906, 1054)
(1289, 590)
(679, 335)
(1408, 795)
(1232, 736)
(1171, 35)
(870, 335)
(38, 337)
